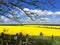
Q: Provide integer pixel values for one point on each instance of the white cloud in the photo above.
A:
(40, 12)
(10, 16)
(49, 12)
(57, 13)
(26, 9)
(42, 16)
(45, 18)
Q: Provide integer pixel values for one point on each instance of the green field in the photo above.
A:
(47, 40)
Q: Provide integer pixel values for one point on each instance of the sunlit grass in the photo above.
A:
(32, 30)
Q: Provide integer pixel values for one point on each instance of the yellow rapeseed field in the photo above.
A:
(31, 30)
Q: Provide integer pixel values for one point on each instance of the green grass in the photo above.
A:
(47, 40)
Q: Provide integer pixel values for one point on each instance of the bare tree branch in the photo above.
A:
(10, 6)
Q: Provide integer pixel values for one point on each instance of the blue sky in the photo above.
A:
(44, 6)
(47, 13)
